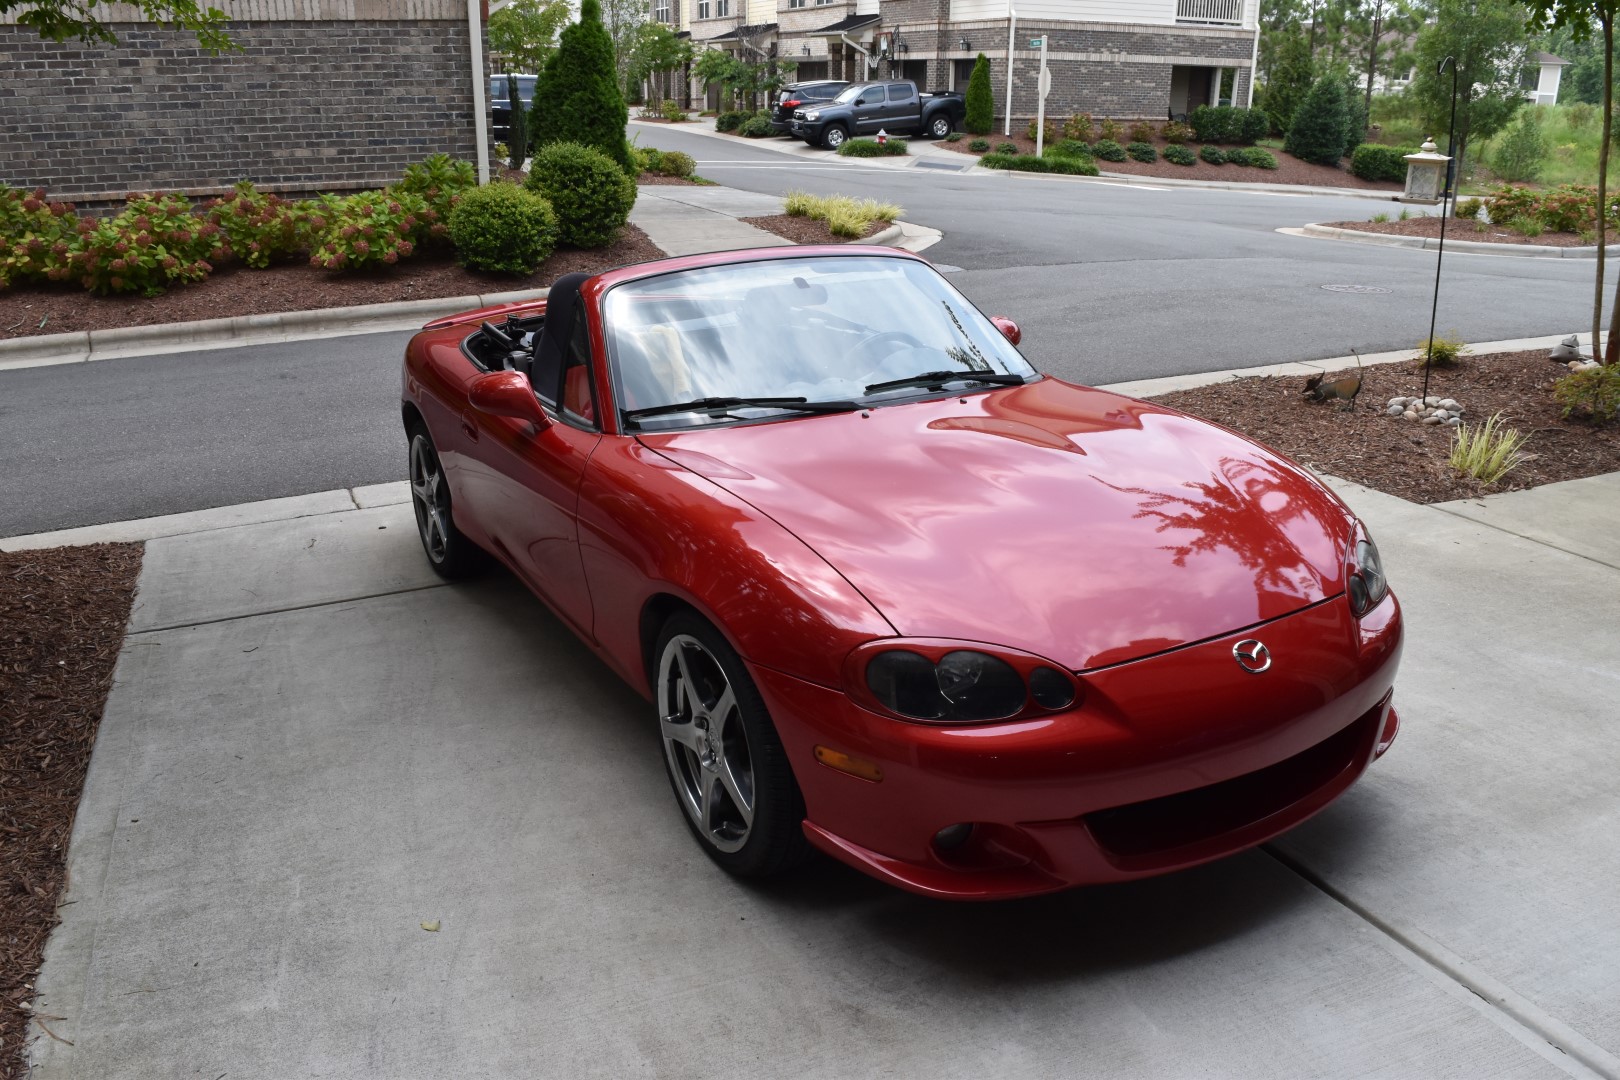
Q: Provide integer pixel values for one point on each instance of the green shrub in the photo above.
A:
(1212, 154)
(955, 136)
(1372, 161)
(438, 181)
(646, 158)
(1355, 118)
(730, 120)
(979, 146)
(980, 117)
(1593, 394)
(845, 216)
(1253, 126)
(1078, 127)
(1252, 156)
(367, 228)
(1318, 131)
(591, 196)
(1487, 452)
(1110, 130)
(676, 163)
(1225, 124)
(1071, 148)
(673, 112)
(1441, 351)
(755, 127)
(154, 242)
(1050, 130)
(1177, 133)
(1525, 226)
(36, 237)
(1179, 155)
(577, 97)
(1469, 209)
(1379, 218)
(872, 148)
(1143, 152)
(1107, 150)
(1141, 131)
(258, 227)
(1067, 166)
(503, 228)
(1006, 148)
(1572, 208)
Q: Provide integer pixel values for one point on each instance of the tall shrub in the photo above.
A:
(1518, 156)
(517, 137)
(1318, 131)
(577, 97)
(980, 107)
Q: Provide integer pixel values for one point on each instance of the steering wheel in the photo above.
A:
(886, 335)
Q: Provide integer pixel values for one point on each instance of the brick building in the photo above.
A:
(325, 95)
(1126, 59)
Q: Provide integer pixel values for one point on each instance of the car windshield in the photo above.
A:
(868, 329)
(848, 94)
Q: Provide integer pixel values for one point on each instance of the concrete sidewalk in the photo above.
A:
(313, 747)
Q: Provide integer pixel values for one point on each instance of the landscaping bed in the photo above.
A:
(1289, 170)
(1403, 458)
(656, 179)
(1462, 229)
(804, 230)
(294, 286)
(62, 612)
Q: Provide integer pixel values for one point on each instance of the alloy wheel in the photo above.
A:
(430, 498)
(705, 743)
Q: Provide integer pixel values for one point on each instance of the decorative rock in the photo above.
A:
(1448, 404)
(1431, 419)
(1584, 365)
(1394, 410)
(1431, 401)
(1398, 401)
(1454, 421)
(1409, 415)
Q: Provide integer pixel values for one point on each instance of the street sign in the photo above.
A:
(1036, 43)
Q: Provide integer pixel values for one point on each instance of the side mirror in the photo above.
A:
(1008, 328)
(507, 393)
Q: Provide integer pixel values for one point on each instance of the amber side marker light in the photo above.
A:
(844, 763)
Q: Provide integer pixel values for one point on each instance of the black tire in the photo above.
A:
(939, 126)
(451, 554)
(699, 726)
(834, 136)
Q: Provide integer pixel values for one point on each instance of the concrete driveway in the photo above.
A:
(313, 747)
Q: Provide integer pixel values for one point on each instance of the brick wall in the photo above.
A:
(326, 94)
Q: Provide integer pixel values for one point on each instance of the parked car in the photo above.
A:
(801, 95)
(891, 592)
(500, 112)
(862, 110)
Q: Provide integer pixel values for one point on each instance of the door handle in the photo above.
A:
(468, 428)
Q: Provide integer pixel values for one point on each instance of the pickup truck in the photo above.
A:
(864, 109)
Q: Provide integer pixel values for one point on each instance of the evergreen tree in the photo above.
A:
(1317, 133)
(577, 97)
(517, 135)
(1288, 79)
(980, 107)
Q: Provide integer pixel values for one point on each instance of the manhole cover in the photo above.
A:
(1355, 288)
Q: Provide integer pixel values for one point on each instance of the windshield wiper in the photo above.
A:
(940, 378)
(715, 404)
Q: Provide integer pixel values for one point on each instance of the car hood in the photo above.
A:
(1079, 525)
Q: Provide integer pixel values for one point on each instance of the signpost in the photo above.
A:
(1044, 88)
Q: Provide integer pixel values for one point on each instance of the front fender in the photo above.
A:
(650, 528)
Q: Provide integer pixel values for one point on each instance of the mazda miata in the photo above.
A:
(895, 594)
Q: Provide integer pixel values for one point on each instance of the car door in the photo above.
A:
(904, 112)
(871, 105)
(527, 487)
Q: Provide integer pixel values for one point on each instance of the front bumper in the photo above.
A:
(1168, 762)
(803, 129)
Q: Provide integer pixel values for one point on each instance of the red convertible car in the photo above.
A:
(895, 594)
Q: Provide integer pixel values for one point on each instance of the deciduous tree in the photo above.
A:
(525, 32)
(64, 20)
(1487, 38)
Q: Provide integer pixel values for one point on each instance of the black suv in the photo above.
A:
(500, 112)
(797, 95)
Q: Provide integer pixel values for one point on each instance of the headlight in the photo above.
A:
(963, 685)
(813, 115)
(1367, 585)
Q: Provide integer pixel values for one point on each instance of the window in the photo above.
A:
(899, 91)
(722, 8)
(795, 3)
(872, 95)
(823, 3)
(703, 9)
(661, 11)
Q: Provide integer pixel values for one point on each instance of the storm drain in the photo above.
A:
(1355, 288)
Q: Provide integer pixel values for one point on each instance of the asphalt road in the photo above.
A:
(1109, 283)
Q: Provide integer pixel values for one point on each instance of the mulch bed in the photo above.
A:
(62, 616)
(648, 179)
(1406, 459)
(1459, 229)
(802, 230)
(237, 290)
(1289, 170)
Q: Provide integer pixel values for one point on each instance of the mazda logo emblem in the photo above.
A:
(1252, 655)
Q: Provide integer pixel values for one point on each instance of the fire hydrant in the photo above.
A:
(882, 137)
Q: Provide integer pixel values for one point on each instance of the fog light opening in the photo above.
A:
(952, 837)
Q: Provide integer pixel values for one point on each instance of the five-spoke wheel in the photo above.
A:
(725, 762)
(449, 553)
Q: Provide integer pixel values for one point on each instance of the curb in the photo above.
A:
(886, 237)
(1472, 247)
(87, 345)
(1142, 388)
